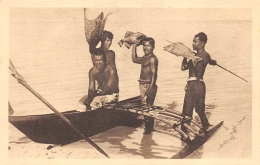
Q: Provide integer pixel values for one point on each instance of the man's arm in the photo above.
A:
(92, 45)
(212, 62)
(16, 75)
(184, 64)
(135, 58)
(154, 68)
(110, 57)
(91, 89)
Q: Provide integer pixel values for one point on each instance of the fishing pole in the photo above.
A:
(231, 72)
(217, 65)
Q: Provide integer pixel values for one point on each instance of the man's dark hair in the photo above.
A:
(149, 39)
(100, 52)
(106, 34)
(202, 37)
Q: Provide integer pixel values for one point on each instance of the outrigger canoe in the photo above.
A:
(53, 130)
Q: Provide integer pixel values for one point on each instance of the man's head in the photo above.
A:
(199, 41)
(106, 39)
(148, 45)
(99, 59)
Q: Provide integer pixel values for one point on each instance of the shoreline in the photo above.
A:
(129, 143)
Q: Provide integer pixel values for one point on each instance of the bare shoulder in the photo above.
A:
(153, 58)
(205, 56)
(92, 71)
(110, 69)
(111, 52)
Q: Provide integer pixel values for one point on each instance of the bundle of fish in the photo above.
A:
(131, 38)
(179, 49)
(94, 28)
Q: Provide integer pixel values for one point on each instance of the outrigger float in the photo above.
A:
(51, 129)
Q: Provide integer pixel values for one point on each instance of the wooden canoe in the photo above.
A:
(51, 129)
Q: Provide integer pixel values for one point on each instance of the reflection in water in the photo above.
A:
(118, 136)
(115, 138)
(146, 146)
(161, 144)
(130, 141)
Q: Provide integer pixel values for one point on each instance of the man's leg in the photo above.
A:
(188, 104)
(200, 109)
(148, 121)
(200, 105)
(143, 89)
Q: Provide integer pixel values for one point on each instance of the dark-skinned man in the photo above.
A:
(195, 88)
(148, 77)
(106, 77)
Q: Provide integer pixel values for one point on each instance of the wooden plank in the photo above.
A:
(195, 143)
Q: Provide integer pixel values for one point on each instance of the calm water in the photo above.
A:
(48, 48)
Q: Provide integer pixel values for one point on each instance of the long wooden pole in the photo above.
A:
(63, 117)
(231, 72)
(219, 66)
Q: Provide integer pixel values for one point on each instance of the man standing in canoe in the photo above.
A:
(148, 77)
(106, 77)
(195, 88)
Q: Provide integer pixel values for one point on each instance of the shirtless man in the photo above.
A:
(106, 42)
(105, 75)
(195, 88)
(148, 77)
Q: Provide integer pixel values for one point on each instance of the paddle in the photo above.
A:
(62, 117)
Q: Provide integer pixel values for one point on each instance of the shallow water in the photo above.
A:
(49, 50)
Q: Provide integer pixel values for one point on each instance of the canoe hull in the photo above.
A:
(51, 129)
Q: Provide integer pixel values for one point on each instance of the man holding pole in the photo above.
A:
(195, 88)
(148, 77)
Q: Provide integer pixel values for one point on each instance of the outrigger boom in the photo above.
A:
(160, 114)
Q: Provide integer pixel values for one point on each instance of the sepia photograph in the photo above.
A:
(161, 83)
